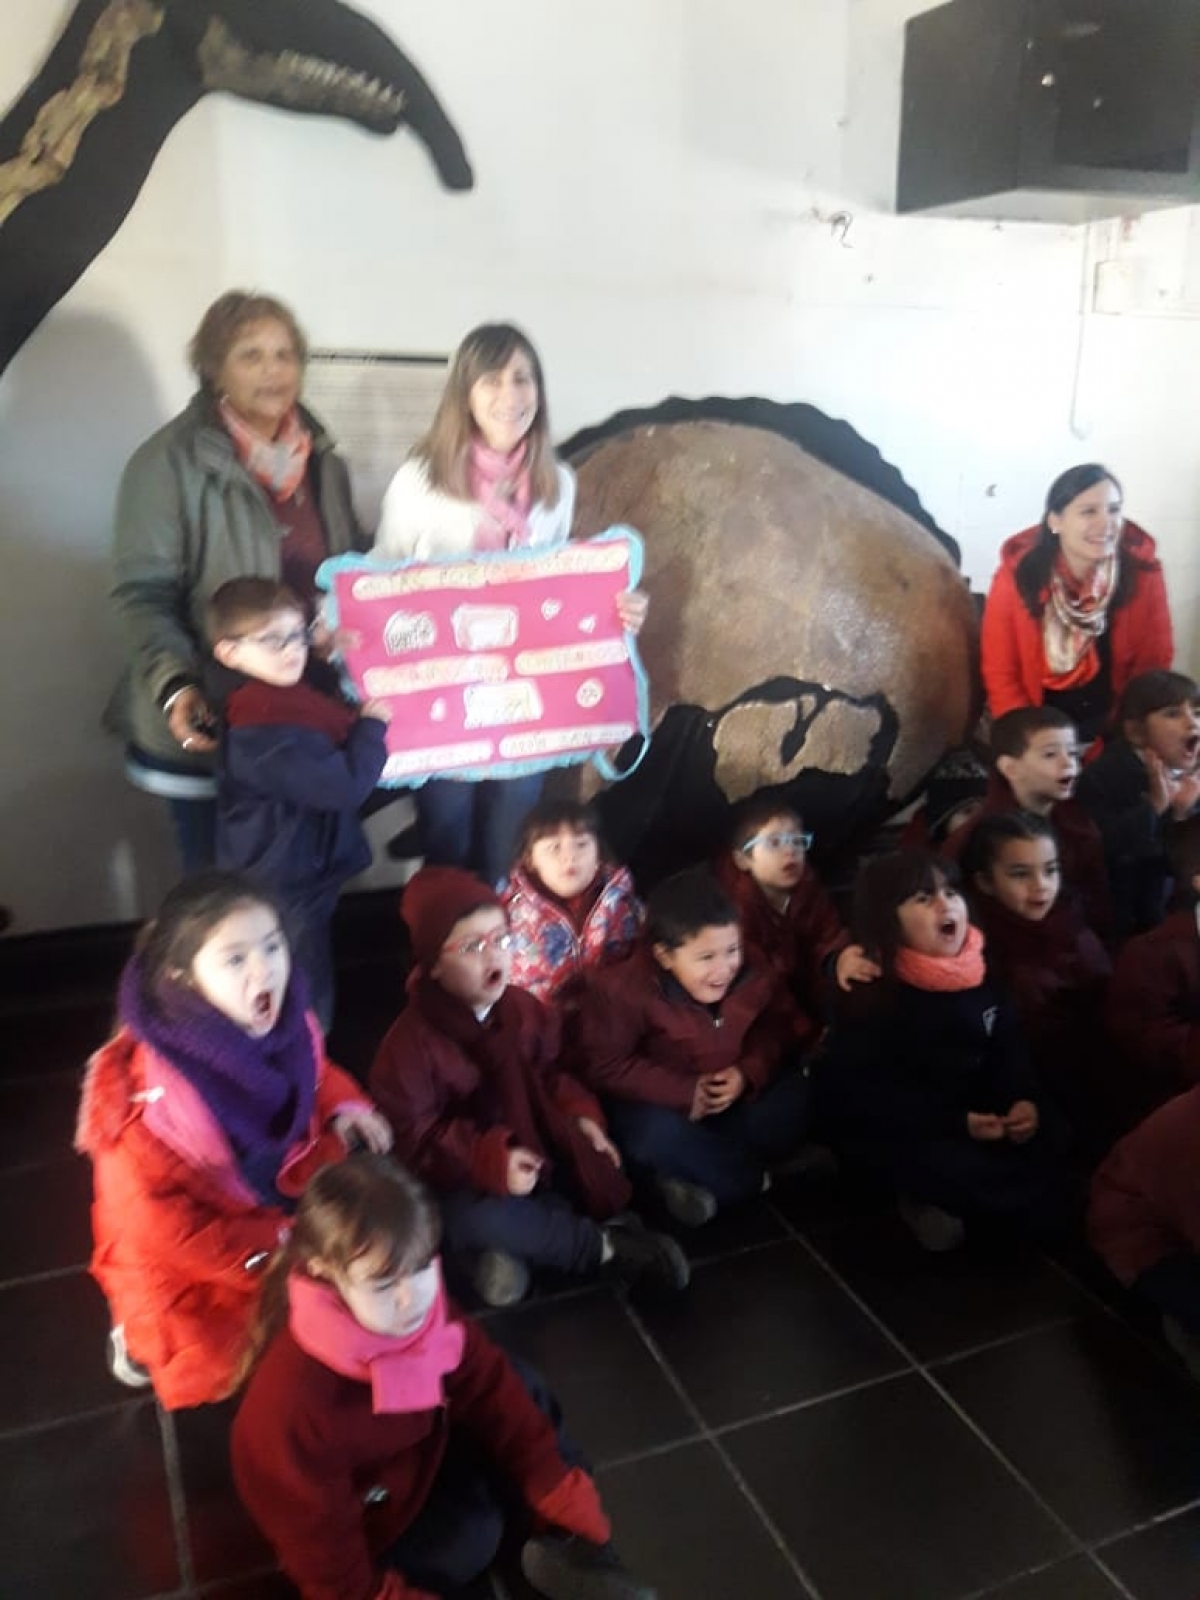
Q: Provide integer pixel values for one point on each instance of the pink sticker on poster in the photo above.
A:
(495, 664)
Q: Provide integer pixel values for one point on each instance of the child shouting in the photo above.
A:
(296, 764)
(515, 1149)
(685, 1042)
(385, 1443)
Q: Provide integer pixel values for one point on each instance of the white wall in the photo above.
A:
(655, 182)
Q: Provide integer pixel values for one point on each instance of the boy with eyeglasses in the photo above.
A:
(295, 766)
(516, 1150)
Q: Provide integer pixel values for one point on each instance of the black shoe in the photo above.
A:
(565, 1567)
(652, 1260)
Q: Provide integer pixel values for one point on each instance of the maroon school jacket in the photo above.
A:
(1145, 1201)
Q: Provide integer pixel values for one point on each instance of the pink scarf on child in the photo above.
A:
(501, 486)
(279, 464)
(943, 974)
(405, 1374)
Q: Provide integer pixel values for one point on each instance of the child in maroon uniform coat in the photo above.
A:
(366, 1444)
(685, 1042)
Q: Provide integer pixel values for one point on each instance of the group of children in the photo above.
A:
(568, 1059)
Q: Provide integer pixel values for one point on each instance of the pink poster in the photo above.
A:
(502, 663)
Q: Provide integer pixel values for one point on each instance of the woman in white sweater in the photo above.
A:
(485, 477)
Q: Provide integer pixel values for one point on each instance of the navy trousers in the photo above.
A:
(475, 825)
(540, 1229)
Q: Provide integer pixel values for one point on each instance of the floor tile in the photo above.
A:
(85, 1511)
(615, 1398)
(739, 1229)
(37, 1117)
(939, 1304)
(53, 1202)
(224, 1541)
(885, 1494)
(1077, 1579)
(52, 1340)
(1103, 1430)
(1161, 1562)
(766, 1329)
(681, 1523)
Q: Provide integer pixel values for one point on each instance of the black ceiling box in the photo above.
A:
(1052, 110)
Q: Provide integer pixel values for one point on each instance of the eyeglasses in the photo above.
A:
(779, 841)
(480, 946)
(277, 643)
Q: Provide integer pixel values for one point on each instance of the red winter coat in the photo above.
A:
(332, 1485)
(180, 1238)
(446, 1115)
(797, 943)
(1153, 1010)
(642, 1038)
(1011, 654)
(1145, 1202)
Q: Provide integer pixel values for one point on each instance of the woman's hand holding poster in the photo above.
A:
(495, 664)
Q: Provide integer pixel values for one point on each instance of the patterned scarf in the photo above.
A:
(405, 1373)
(279, 464)
(943, 974)
(260, 1091)
(1073, 619)
(502, 487)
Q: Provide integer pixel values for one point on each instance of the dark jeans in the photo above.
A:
(311, 939)
(727, 1154)
(195, 823)
(458, 1531)
(475, 825)
(540, 1229)
(1173, 1285)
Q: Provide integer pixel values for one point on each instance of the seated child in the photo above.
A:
(1153, 1011)
(1146, 779)
(685, 1042)
(1144, 1218)
(203, 1117)
(1035, 767)
(296, 764)
(569, 907)
(1053, 968)
(784, 912)
(384, 1442)
(928, 1086)
(514, 1148)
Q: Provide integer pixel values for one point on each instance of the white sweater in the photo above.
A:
(423, 524)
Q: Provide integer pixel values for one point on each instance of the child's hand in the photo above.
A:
(379, 709)
(724, 1087)
(364, 1127)
(985, 1126)
(1021, 1123)
(855, 966)
(1162, 786)
(523, 1170)
(1185, 796)
(700, 1106)
(632, 606)
(598, 1139)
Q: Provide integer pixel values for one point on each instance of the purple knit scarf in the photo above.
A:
(260, 1091)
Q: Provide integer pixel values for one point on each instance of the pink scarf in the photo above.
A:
(1074, 617)
(503, 490)
(405, 1374)
(279, 464)
(943, 974)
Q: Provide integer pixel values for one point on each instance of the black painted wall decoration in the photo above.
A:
(78, 144)
(809, 631)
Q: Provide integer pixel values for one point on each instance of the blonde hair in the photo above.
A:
(445, 449)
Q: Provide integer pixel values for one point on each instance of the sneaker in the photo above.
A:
(688, 1202)
(651, 1259)
(1184, 1342)
(122, 1365)
(934, 1230)
(500, 1279)
(565, 1567)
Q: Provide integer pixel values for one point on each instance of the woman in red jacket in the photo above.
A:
(1077, 607)
(373, 1428)
(204, 1116)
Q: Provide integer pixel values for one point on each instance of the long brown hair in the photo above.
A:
(365, 1205)
(445, 448)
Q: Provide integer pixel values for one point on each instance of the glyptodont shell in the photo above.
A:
(824, 638)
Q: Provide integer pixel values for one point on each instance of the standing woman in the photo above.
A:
(484, 478)
(1077, 608)
(243, 483)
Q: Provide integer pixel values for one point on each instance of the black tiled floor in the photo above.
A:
(792, 1428)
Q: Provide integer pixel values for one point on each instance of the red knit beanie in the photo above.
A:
(434, 899)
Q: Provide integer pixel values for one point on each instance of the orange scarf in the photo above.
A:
(278, 464)
(943, 974)
(1074, 617)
